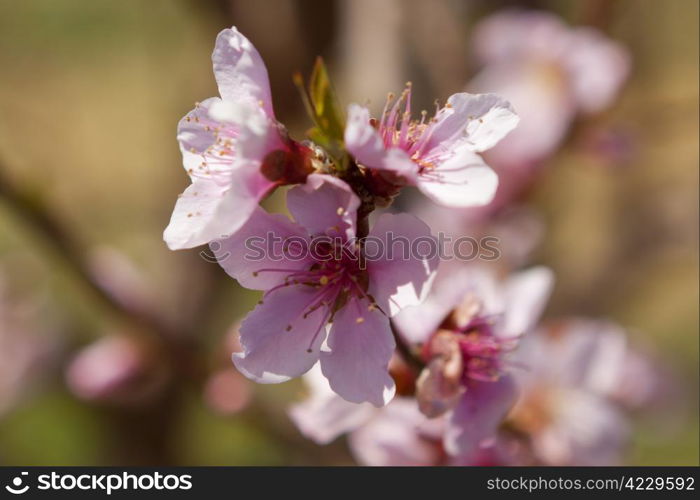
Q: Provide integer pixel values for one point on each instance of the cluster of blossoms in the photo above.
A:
(335, 311)
(417, 365)
(563, 403)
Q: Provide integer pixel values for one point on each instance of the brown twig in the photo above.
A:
(407, 354)
(41, 218)
(154, 422)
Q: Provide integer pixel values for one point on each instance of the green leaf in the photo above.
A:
(323, 107)
(329, 117)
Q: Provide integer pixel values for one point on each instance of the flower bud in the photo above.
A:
(115, 369)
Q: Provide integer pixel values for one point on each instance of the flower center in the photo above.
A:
(338, 280)
(397, 128)
(482, 351)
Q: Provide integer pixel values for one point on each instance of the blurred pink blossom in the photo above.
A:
(550, 72)
(115, 369)
(568, 411)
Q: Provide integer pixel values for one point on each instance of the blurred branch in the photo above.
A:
(156, 422)
(598, 13)
(438, 37)
(370, 44)
(411, 360)
(143, 435)
(42, 219)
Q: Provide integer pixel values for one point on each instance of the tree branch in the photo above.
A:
(41, 219)
(409, 357)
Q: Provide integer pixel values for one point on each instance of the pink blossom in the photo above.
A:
(550, 72)
(225, 142)
(440, 155)
(116, 369)
(286, 333)
(567, 408)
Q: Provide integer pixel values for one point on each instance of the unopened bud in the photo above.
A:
(115, 369)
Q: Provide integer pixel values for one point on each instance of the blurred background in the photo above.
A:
(114, 350)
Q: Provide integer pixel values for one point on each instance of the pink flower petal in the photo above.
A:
(478, 415)
(360, 347)
(396, 436)
(240, 71)
(514, 34)
(324, 205)
(279, 340)
(587, 430)
(406, 262)
(192, 133)
(526, 295)
(477, 121)
(324, 415)
(226, 188)
(597, 67)
(464, 180)
(264, 251)
(208, 210)
(364, 143)
(544, 105)
(418, 323)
